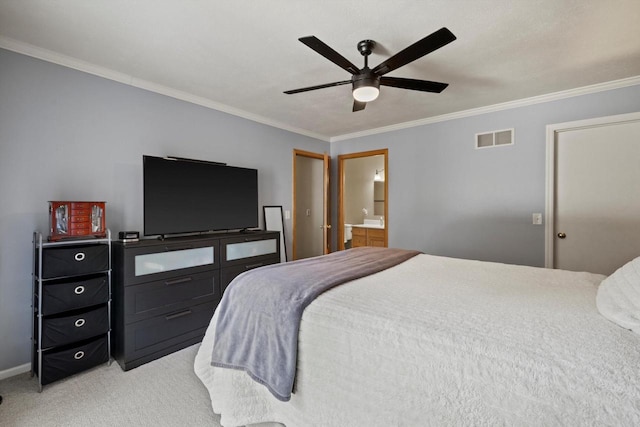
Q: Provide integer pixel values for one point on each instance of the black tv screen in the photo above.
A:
(184, 196)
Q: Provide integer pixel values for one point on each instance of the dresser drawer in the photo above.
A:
(228, 274)
(155, 334)
(73, 359)
(165, 296)
(61, 330)
(144, 261)
(68, 295)
(249, 250)
(67, 261)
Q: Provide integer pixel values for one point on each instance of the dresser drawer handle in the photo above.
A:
(177, 281)
(79, 355)
(250, 266)
(79, 290)
(181, 248)
(175, 316)
(79, 256)
(79, 323)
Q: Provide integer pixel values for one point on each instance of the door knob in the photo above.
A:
(562, 235)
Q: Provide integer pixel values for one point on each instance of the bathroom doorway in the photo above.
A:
(363, 202)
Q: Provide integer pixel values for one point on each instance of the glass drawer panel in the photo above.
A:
(249, 249)
(174, 260)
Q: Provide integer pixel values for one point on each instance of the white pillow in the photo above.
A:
(618, 297)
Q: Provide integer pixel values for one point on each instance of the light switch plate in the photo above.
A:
(537, 218)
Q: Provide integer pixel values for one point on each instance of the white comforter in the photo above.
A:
(442, 341)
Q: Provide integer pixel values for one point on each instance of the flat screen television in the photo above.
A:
(188, 196)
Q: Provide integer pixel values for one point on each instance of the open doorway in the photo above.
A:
(311, 224)
(363, 202)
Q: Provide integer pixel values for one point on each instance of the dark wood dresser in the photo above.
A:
(165, 291)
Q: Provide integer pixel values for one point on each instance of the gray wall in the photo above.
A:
(447, 198)
(67, 135)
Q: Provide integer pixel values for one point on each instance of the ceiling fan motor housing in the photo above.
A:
(365, 78)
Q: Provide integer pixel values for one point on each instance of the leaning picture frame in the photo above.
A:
(274, 221)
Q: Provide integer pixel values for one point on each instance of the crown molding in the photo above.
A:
(76, 64)
(585, 90)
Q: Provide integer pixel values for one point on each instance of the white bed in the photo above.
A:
(443, 341)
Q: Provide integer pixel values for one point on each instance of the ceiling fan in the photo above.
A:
(366, 82)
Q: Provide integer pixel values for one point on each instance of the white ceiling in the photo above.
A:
(239, 56)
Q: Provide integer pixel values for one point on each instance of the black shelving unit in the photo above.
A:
(71, 303)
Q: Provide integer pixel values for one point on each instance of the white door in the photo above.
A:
(311, 215)
(596, 206)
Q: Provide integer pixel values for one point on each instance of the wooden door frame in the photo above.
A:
(326, 212)
(341, 158)
(552, 132)
(326, 217)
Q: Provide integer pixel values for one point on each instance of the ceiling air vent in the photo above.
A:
(494, 139)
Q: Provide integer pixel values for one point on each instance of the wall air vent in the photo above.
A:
(495, 138)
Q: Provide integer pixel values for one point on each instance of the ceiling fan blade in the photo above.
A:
(319, 46)
(357, 105)
(306, 89)
(413, 84)
(417, 50)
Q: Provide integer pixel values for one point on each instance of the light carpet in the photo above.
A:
(165, 392)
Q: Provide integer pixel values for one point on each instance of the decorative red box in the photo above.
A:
(76, 219)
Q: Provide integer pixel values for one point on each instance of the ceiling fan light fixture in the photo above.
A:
(366, 93)
(366, 88)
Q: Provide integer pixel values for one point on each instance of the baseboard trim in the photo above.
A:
(17, 370)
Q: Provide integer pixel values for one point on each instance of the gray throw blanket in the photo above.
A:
(260, 313)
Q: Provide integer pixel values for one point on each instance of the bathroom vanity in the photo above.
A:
(367, 235)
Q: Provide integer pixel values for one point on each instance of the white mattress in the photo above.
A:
(443, 341)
